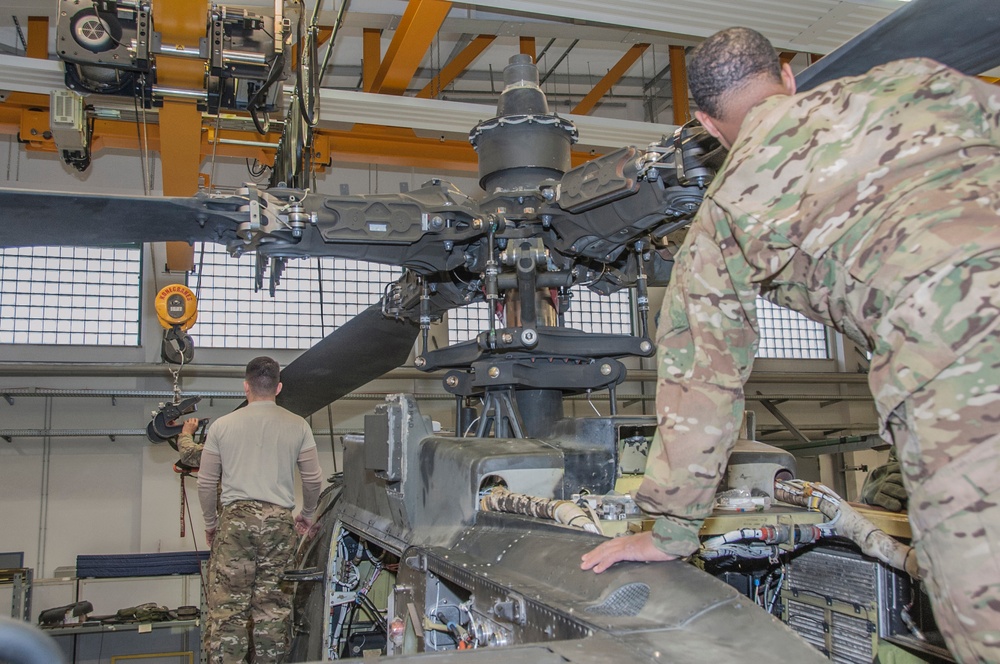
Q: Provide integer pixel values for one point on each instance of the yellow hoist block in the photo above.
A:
(176, 306)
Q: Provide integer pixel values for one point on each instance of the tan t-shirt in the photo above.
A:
(259, 447)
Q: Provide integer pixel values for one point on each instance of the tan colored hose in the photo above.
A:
(499, 499)
(849, 523)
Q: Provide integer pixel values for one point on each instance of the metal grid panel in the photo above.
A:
(786, 334)
(844, 578)
(809, 622)
(831, 599)
(313, 298)
(588, 311)
(591, 312)
(468, 321)
(70, 296)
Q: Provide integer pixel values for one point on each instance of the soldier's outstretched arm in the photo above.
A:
(706, 343)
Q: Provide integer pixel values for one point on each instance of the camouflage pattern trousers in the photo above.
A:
(947, 438)
(253, 546)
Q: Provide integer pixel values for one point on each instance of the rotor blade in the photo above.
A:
(961, 34)
(29, 218)
(354, 354)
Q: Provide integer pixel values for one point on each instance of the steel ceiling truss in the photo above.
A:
(420, 23)
(614, 75)
(353, 134)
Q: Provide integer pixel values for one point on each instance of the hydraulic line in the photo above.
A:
(848, 522)
(792, 536)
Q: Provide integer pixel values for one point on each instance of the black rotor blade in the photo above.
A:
(959, 33)
(354, 354)
(42, 218)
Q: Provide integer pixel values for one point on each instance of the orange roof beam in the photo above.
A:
(614, 75)
(421, 21)
(371, 57)
(679, 84)
(456, 66)
(528, 47)
(38, 37)
(180, 22)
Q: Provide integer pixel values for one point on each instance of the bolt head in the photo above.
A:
(605, 369)
(645, 346)
(451, 381)
(507, 337)
(420, 362)
(494, 372)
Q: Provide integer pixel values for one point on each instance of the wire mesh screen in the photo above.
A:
(589, 312)
(70, 296)
(314, 297)
(466, 322)
(786, 334)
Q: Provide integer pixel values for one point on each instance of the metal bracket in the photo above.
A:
(417, 562)
(343, 598)
(785, 422)
(512, 609)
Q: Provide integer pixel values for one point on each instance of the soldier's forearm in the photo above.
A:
(312, 481)
(678, 537)
(190, 450)
(208, 480)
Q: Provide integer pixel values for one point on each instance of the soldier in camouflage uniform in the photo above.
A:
(254, 451)
(870, 204)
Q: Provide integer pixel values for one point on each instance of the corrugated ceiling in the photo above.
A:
(813, 26)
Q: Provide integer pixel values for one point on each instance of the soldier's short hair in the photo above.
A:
(725, 62)
(262, 376)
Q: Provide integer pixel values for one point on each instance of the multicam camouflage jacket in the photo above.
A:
(850, 203)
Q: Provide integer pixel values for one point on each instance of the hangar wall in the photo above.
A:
(71, 495)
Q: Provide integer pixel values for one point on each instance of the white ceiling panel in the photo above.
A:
(454, 119)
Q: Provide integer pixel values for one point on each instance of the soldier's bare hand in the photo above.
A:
(304, 526)
(634, 548)
(210, 536)
(190, 426)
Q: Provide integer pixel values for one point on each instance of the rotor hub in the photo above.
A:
(524, 144)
